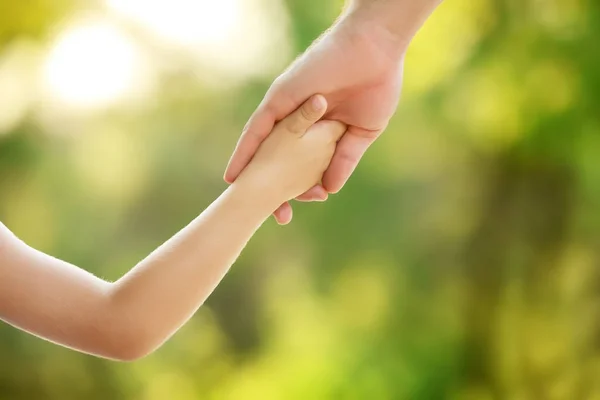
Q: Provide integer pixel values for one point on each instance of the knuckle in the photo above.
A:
(251, 138)
(306, 113)
(276, 87)
(293, 126)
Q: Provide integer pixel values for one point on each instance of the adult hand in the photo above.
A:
(357, 65)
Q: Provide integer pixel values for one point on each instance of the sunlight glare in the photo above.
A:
(184, 22)
(91, 65)
(242, 37)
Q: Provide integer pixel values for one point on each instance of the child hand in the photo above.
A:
(295, 155)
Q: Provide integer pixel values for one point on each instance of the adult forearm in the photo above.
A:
(161, 293)
(401, 19)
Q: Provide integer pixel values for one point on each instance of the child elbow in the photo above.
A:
(127, 345)
(131, 351)
(128, 356)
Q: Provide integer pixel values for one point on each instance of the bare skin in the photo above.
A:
(357, 65)
(133, 316)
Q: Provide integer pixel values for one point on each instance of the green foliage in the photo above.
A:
(460, 261)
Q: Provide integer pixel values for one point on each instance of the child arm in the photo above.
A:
(133, 316)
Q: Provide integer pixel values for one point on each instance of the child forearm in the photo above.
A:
(130, 318)
(156, 297)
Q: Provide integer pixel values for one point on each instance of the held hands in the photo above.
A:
(358, 68)
(294, 156)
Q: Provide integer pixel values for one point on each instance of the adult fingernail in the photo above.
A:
(322, 197)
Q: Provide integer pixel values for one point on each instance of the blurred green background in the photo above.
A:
(460, 262)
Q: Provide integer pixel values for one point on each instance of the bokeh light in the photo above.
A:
(92, 64)
(459, 262)
(235, 37)
(185, 22)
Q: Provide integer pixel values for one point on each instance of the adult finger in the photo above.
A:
(257, 129)
(348, 153)
(283, 215)
(316, 193)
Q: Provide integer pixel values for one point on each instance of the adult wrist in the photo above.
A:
(363, 23)
(391, 23)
